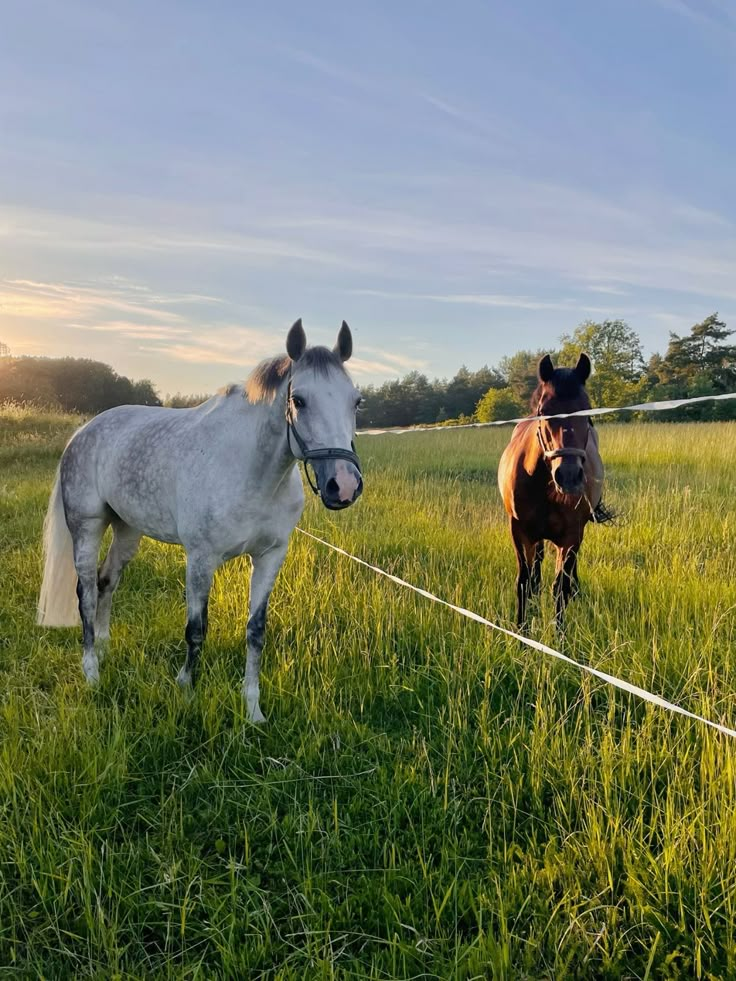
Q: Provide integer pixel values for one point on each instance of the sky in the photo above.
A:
(180, 181)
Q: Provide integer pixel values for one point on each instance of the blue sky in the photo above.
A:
(180, 181)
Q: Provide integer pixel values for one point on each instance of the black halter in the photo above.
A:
(307, 455)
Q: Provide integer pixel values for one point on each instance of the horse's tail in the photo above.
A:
(57, 602)
(602, 513)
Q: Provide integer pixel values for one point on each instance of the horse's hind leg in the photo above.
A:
(265, 570)
(124, 545)
(200, 570)
(86, 537)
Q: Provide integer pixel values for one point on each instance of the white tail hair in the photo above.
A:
(57, 602)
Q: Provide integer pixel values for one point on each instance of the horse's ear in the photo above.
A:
(545, 369)
(296, 341)
(582, 368)
(344, 346)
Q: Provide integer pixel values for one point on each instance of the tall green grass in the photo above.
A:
(428, 799)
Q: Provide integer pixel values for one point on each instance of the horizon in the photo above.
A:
(495, 367)
(460, 184)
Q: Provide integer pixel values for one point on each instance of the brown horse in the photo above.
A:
(551, 480)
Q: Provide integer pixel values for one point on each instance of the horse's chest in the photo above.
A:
(564, 525)
(253, 525)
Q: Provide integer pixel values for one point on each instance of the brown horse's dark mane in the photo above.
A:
(564, 386)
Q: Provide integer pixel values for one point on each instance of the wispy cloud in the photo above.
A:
(407, 362)
(362, 367)
(96, 308)
(604, 288)
(716, 16)
(26, 297)
(124, 328)
(231, 344)
(125, 238)
(701, 216)
(330, 69)
(475, 122)
(497, 300)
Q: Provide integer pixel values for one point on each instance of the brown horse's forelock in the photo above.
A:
(266, 379)
(564, 385)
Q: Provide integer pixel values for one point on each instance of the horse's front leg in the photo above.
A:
(265, 569)
(566, 580)
(535, 581)
(200, 571)
(526, 551)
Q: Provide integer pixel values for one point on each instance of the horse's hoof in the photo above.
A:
(254, 714)
(251, 697)
(91, 668)
(184, 680)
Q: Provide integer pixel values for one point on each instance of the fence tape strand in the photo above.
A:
(661, 406)
(534, 644)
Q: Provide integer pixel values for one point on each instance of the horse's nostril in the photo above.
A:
(332, 488)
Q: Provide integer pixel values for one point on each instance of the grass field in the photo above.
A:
(428, 799)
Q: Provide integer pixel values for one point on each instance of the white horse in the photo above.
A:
(220, 479)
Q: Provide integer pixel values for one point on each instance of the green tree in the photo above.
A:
(179, 401)
(519, 373)
(618, 365)
(699, 363)
(142, 392)
(497, 404)
(72, 384)
(704, 352)
(464, 390)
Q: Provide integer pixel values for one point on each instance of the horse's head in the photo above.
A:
(563, 441)
(320, 414)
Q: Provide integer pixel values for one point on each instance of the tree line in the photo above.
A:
(70, 384)
(702, 362)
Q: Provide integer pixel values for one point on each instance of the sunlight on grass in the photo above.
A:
(428, 798)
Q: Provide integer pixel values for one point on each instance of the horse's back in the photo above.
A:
(129, 459)
(186, 476)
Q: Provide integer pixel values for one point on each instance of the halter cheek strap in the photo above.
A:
(307, 455)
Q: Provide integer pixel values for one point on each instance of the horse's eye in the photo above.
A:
(297, 401)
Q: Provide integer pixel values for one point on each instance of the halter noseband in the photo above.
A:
(307, 455)
(561, 451)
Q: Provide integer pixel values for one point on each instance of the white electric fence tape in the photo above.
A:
(641, 407)
(536, 645)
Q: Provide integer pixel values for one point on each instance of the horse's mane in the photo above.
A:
(564, 384)
(265, 380)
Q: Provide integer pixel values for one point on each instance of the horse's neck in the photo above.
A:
(273, 439)
(266, 451)
(533, 452)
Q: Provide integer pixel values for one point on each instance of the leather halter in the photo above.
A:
(307, 455)
(561, 451)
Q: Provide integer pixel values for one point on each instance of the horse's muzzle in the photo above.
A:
(340, 483)
(569, 476)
